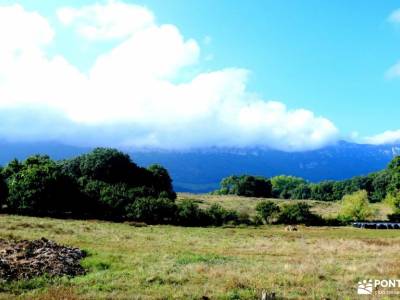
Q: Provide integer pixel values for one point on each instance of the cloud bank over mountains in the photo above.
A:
(133, 95)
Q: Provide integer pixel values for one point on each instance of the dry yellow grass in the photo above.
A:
(247, 204)
(167, 262)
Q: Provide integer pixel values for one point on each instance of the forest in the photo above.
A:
(378, 185)
(106, 184)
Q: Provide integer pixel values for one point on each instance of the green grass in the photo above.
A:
(168, 262)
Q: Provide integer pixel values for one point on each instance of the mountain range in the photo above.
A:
(201, 170)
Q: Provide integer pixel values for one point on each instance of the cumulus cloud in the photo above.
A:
(387, 137)
(102, 22)
(132, 95)
(394, 71)
(394, 17)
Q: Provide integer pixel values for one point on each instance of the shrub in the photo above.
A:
(152, 210)
(248, 186)
(217, 215)
(115, 199)
(393, 199)
(298, 213)
(267, 210)
(284, 186)
(38, 187)
(189, 214)
(104, 164)
(3, 190)
(90, 203)
(394, 217)
(244, 218)
(161, 181)
(355, 207)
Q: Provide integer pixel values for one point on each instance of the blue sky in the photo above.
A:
(327, 56)
(330, 58)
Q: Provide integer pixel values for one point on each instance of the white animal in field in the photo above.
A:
(291, 228)
(267, 296)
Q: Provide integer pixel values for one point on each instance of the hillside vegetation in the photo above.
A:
(106, 184)
(378, 185)
(247, 205)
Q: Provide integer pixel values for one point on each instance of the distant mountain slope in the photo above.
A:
(9, 151)
(202, 170)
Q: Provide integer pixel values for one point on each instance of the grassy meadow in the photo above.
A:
(168, 262)
(247, 204)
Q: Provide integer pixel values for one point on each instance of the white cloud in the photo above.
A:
(394, 17)
(387, 137)
(130, 96)
(394, 71)
(102, 22)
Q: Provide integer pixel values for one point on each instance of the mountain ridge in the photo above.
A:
(201, 170)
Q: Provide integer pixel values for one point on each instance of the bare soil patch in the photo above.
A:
(27, 259)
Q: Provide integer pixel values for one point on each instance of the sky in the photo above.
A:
(290, 75)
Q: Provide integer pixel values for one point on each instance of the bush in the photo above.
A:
(217, 215)
(267, 210)
(3, 190)
(355, 207)
(104, 164)
(161, 181)
(298, 213)
(189, 214)
(285, 186)
(248, 186)
(38, 187)
(114, 167)
(115, 199)
(394, 217)
(393, 199)
(152, 211)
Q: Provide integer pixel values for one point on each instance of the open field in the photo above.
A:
(167, 262)
(248, 204)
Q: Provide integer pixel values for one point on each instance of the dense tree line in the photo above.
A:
(248, 186)
(377, 185)
(104, 184)
(107, 184)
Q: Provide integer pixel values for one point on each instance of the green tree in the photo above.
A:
(3, 190)
(217, 215)
(356, 207)
(394, 165)
(323, 191)
(161, 181)
(393, 199)
(267, 210)
(245, 185)
(107, 165)
(114, 200)
(284, 187)
(380, 183)
(189, 214)
(152, 210)
(298, 213)
(302, 191)
(12, 168)
(38, 187)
